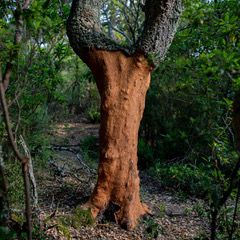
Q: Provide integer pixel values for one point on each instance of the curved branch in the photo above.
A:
(23, 159)
(161, 20)
(84, 28)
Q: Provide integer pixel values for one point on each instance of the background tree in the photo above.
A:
(123, 75)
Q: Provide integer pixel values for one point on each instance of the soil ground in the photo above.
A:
(69, 182)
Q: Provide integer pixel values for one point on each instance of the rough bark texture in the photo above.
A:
(84, 27)
(161, 21)
(123, 77)
(122, 82)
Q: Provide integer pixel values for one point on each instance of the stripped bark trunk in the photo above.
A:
(123, 75)
(122, 83)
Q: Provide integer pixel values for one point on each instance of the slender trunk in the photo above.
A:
(233, 226)
(236, 119)
(214, 224)
(122, 82)
(27, 194)
(23, 160)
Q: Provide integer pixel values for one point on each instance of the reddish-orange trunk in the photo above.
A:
(122, 82)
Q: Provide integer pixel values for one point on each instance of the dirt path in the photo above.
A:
(69, 183)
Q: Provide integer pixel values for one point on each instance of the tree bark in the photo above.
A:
(122, 82)
(123, 76)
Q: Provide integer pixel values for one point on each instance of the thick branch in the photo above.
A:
(161, 20)
(84, 28)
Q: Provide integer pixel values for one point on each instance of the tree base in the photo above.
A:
(126, 216)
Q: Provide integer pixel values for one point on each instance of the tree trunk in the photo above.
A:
(236, 119)
(122, 82)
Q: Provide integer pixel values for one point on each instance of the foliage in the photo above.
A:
(187, 120)
(145, 154)
(63, 226)
(93, 115)
(152, 229)
(16, 188)
(17, 231)
(5, 233)
(194, 180)
(82, 218)
(80, 91)
(90, 150)
(188, 107)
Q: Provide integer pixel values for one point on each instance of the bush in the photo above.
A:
(93, 115)
(90, 150)
(184, 177)
(82, 218)
(145, 154)
(16, 187)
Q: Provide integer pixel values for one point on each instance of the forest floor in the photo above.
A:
(69, 181)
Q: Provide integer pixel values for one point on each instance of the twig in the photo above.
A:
(50, 227)
(52, 202)
(84, 164)
(228, 127)
(26, 4)
(79, 158)
(55, 146)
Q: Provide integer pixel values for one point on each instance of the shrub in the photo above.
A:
(145, 154)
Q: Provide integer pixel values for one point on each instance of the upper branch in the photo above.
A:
(161, 20)
(84, 28)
